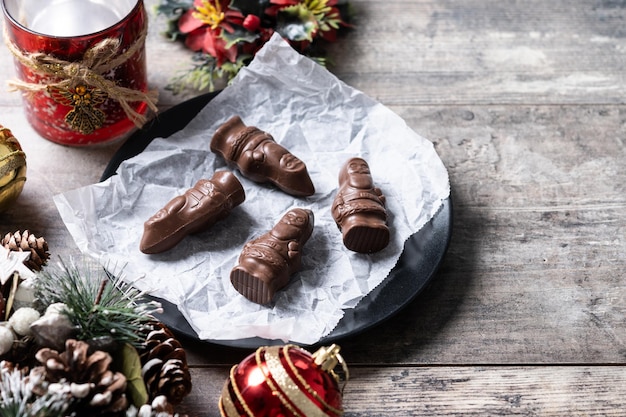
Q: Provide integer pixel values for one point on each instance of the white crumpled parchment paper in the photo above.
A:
(318, 118)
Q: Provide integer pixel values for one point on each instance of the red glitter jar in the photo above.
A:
(81, 67)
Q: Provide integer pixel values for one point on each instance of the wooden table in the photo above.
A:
(525, 102)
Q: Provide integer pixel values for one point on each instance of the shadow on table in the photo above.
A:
(405, 337)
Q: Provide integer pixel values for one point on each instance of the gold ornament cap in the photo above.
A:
(12, 168)
(327, 358)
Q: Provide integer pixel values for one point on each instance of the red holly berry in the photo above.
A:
(252, 22)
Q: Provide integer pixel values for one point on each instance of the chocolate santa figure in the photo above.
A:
(359, 209)
(197, 209)
(266, 263)
(259, 158)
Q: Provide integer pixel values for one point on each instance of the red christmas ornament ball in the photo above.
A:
(285, 381)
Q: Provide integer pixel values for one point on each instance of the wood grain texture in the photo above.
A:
(486, 52)
(525, 104)
(457, 391)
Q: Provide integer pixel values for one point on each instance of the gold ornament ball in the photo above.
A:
(12, 168)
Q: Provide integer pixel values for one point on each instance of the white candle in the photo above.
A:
(69, 17)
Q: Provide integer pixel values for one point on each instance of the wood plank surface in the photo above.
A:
(458, 391)
(525, 102)
(486, 52)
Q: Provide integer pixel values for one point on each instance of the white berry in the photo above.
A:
(6, 339)
(21, 320)
(55, 308)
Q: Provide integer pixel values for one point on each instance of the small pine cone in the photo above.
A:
(159, 407)
(98, 390)
(26, 241)
(164, 365)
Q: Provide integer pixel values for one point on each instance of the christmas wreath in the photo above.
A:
(226, 34)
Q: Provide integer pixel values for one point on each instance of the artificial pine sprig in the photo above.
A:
(98, 302)
(206, 74)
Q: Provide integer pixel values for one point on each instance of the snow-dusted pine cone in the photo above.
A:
(98, 390)
(158, 408)
(164, 365)
(26, 241)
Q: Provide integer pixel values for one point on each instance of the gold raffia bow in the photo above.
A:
(82, 84)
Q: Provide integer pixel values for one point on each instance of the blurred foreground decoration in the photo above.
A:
(226, 34)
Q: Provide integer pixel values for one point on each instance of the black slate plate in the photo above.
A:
(420, 260)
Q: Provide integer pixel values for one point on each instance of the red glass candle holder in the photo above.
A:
(81, 67)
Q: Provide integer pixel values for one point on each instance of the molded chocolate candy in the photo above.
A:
(260, 158)
(267, 262)
(197, 209)
(359, 209)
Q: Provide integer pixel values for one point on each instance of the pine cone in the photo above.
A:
(159, 407)
(164, 365)
(25, 241)
(98, 390)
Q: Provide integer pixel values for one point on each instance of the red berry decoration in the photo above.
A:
(252, 22)
(285, 381)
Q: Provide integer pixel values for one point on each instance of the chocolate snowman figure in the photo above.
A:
(266, 263)
(359, 209)
(260, 158)
(197, 209)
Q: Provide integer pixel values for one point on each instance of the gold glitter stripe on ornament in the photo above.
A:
(11, 163)
(238, 393)
(288, 385)
(268, 380)
(308, 387)
(226, 405)
(100, 59)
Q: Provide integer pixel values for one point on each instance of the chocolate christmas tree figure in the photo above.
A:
(260, 158)
(197, 209)
(267, 262)
(359, 209)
